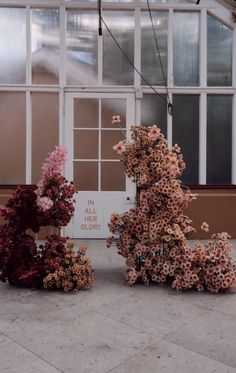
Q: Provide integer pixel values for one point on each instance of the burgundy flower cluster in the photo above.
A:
(153, 236)
(22, 262)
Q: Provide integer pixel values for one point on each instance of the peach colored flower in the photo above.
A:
(205, 227)
(115, 119)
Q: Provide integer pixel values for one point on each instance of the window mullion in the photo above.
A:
(203, 139)
(28, 45)
(203, 48)
(170, 78)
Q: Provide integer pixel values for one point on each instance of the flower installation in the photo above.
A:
(53, 264)
(152, 236)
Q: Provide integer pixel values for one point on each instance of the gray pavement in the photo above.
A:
(112, 328)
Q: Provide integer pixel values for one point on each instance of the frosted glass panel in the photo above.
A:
(112, 176)
(186, 48)
(154, 111)
(219, 53)
(86, 112)
(45, 129)
(116, 70)
(108, 140)
(12, 45)
(81, 43)
(219, 139)
(86, 175)
(151, 66)
(45, 46)
(186, 133)
(85, 144)
(12, 138)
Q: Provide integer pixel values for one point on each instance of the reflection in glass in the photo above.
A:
(186, 48)
(81, 43)
(112, 176)
(45, 45)
(116, 69)
(12, 138)
(85, 144)
(109, 139)
(86, 175)
(150, 60)
(12, 45)
(154, 111)
(219, 53)
(110, 107)
(186, 134)
(86, 112)
(45, 129)
(219, 135)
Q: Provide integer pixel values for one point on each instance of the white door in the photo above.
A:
(92, 163)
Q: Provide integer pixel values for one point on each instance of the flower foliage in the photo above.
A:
(152, 237)
(51, 204)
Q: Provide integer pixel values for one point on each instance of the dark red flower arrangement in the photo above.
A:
(22, 262)
(152, 237)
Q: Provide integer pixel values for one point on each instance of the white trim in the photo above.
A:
(169, 125)
(234, 140)
(203, 49)
(170, 50)
(28, 175)
(28, 46)
(202, 138)
(62, 35)
(137, 47)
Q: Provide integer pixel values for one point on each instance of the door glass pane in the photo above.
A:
(110, 107)
(186, 48)
(85, 144)
(45, 46)
(219, 53)
(154, 111)
(116, 69)
(186, 134)
(219, 139)
(86, 175)
(109, 139)
(45, 129)
(112, 176)
(12, 138)
(86, 112)
(81, 44)
(12, 45)
(150, 60)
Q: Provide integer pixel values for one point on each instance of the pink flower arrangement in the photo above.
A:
(44, 203)
(152, 237)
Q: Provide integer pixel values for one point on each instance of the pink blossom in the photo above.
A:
(44, 203)
(154, 133)
(115, 119)
(119, 148)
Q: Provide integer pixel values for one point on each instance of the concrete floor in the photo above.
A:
(117, 329)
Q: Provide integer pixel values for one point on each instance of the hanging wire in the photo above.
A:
(169, 105)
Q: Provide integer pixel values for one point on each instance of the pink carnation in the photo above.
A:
(44, 203)
(154, 133)
(119, 148)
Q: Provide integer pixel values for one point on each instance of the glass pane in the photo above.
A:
(186, 134)
(154, 111)
(86, 175)
(13, 138)
(45, 46)
(219, 53)
(219, 139)
(109, 139)
(150, 59)
(116, 69)
(81, 43)
(45, 129)
(110, 107)
(85, 144)
(12, 45)
(112, 176)
(86, 112)
(186, 48)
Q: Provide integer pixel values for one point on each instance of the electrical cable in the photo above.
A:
(170, 105)
(135, 68)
